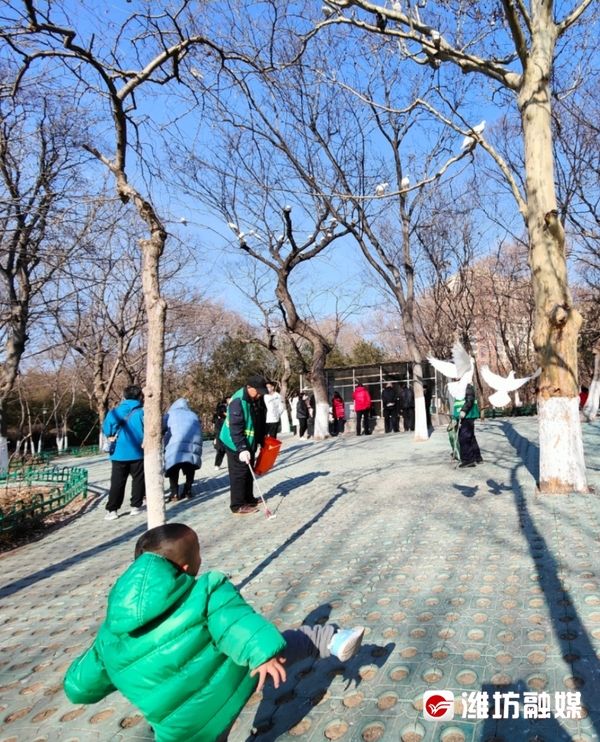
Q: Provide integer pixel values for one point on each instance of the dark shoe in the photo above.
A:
(467, 465)
(254, 502)
(479, 460)
(245, 510)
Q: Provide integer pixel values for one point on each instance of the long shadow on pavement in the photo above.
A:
(518, 728)
(43, 574)
(575, 646)
(294, 537)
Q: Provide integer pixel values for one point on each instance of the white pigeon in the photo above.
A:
(468, 141)
(461, 368)
(504, 384)
(460, 364)
(405, 182)
(380, 189)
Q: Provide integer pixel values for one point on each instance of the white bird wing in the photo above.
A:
(444, 367)
(517, 383)
(505, 383)
(458, 389)
(499, 399)
(462, 360)
(479, 128)
(467, 142)
(494, 380)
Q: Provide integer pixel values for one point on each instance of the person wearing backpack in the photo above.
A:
(124, 424)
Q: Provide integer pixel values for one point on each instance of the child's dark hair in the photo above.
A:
(133, 391)
(170, 540)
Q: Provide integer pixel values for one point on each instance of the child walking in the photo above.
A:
(189, 652)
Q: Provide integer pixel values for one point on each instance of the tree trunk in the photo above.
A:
(3, 454)
(156, 312)
(318, 381)
(557, 322)
(590, 409)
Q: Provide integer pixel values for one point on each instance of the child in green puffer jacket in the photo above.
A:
(180, 648)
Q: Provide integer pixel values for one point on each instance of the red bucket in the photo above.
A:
(268, 454)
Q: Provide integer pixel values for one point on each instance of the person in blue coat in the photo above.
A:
(124, 427)
(183, 447)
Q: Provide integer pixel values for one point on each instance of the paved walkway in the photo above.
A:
(465, 579)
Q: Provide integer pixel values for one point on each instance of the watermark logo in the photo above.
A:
(438, 705)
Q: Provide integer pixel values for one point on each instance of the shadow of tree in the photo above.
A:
(509, 729)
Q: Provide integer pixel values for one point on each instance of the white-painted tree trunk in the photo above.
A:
(421, 432)
(560, 430)
(285, 422)
(321, 421)
(590, 408)
(3, 454)
(518, 402)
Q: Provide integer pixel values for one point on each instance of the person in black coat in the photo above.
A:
(427, 394)
(407, 407)
(389, 401)
(218, 420)
(302, 414)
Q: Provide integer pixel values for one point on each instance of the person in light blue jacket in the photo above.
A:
(124, 427)
(183, 447)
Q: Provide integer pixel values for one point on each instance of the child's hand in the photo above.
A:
(274, 668)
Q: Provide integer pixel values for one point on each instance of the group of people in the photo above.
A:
(123, 428)
(241, 423)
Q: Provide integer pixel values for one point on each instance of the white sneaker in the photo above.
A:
(345, 643)
(135, 511)
(111, 515)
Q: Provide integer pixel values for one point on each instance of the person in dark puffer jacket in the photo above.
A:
(189, 652)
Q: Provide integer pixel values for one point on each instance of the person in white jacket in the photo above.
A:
(274, 405)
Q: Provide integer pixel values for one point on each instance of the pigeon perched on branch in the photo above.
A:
(469, 141)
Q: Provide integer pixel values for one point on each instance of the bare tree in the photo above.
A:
(152, 50)
(38, 183)
(473, 43)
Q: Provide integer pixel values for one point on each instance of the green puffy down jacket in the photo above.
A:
(177, 647)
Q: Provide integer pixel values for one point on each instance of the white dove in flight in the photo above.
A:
(504, 384)
(460, 364)
(461, 368)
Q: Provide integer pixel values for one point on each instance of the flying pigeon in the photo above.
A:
(460, 364)
(381, 188)
(460, 368)
(469, 141)
(405, 182)
(504, 384)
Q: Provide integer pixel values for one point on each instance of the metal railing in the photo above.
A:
(74, 483)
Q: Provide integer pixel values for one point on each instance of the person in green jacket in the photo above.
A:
(189, 652)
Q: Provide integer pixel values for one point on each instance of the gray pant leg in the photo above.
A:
(307, 641)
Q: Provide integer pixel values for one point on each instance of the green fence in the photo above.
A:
(70, 482)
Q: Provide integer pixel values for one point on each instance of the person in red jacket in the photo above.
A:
(362, 407)
(338, 409)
